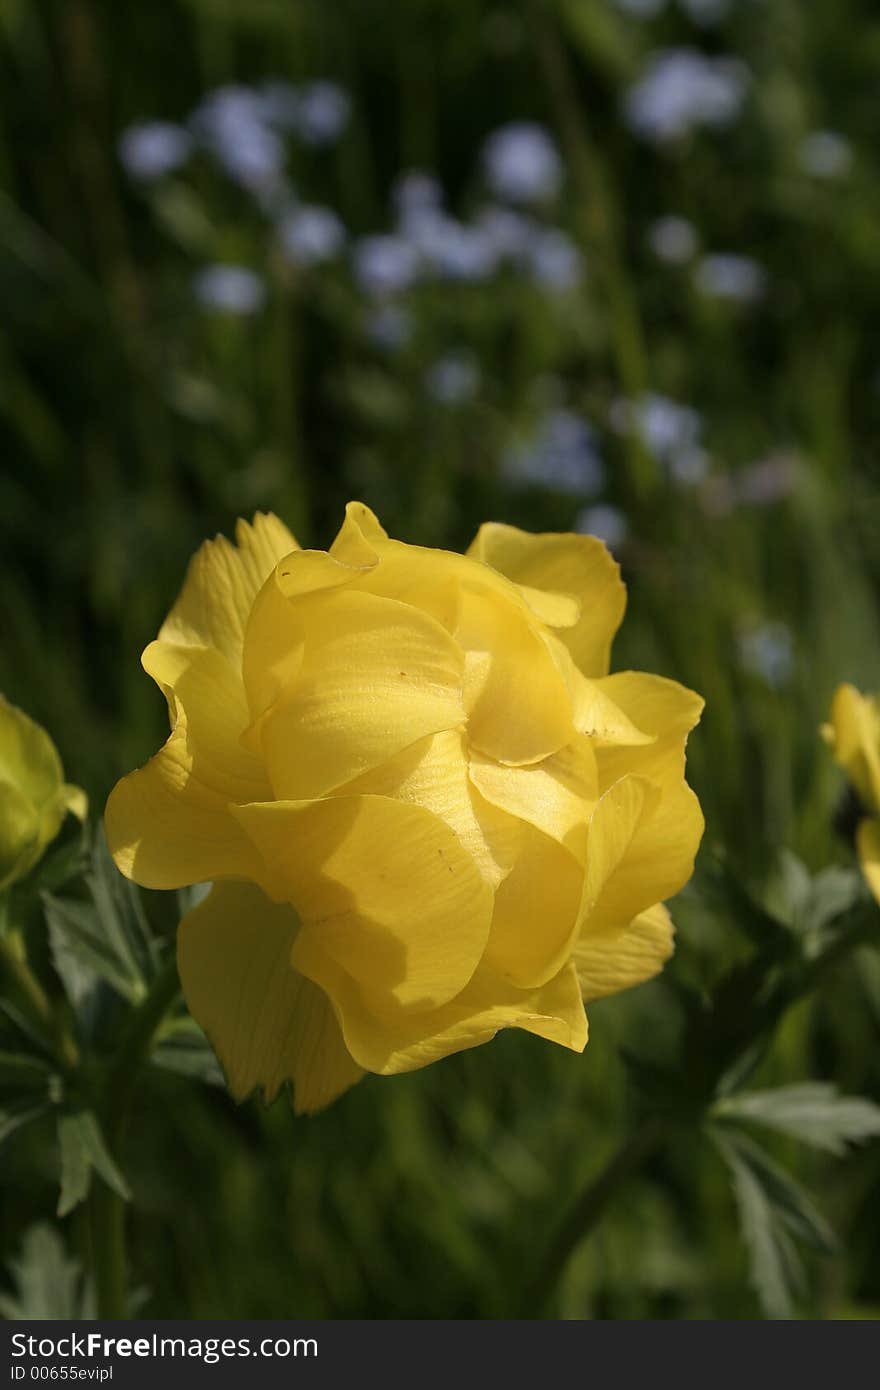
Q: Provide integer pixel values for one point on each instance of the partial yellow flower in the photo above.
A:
(853, 733)
(427, 810)
(34, 796)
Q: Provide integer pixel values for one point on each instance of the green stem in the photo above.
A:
(106, 1207)
(587, 1211)
(107, 1238)
(13, 963)
(139, 1036)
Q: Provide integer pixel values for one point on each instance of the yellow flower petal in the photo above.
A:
(201, 686)
(384, 887)
(556, 795)
(641, 848)
(402, 1041)
(434, 773)
(614, 958)
(221, 584)
(517, 702)
(536, 915)
(373, 675)
(594, 711)
(868, 846)
(665, 710)
(33, 796)
(19, 834)
(167, 825)
(567, 564)
(854, 734)
(267, 1023)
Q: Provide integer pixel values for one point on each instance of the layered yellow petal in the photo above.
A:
(384, 887)
(402, 1041)
(868, 846)
(168, 825)
(666, 711)
(641, 848)
(434, 773)
(854, 735)
(517, 701)
(536, 914)
(267, 1023)
(221, 584)
(614, 958)
(373, 675)
(569, 564)
(555, 795)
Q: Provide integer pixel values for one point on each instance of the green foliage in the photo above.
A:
(133, 423)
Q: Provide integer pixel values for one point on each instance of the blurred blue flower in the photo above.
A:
(310, 234)
(522, 163)
(605, 522)
(725, 275)
(825, 155)
(231, 122)
(669, 431)
(389, 327)
(415, 191)
(681, 90)
(562, 454)
(152, 149)
(323, 113)
(672, 239)
(453, 379)
(554, 260)
(510, 234)
(280, 104)
(768, 651)
(232, 289)
(385, 264)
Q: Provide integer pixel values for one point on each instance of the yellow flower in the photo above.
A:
(427, 810)
(854, 737)
(33, 794)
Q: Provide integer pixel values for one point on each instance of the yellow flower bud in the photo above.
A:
(427, 810)
(853, 734)
(34, 796)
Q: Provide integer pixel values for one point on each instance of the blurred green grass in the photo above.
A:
(132, 426)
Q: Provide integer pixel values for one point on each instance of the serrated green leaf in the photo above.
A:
(775, 1269)
(187, 1052)
(82, 955)
(82, 1151)
(773, 1209)
(121, 915)
(788, 889)
(833, 892)
(812, 1111)
(48, 1282)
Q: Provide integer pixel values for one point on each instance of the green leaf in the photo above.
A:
(82, 955)
(16, 1114)
(188, 1053)
(773, 1211)
(82, 1151)
(812, 1111)
(48, 1282)
(106, 939)
(21, 1071)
